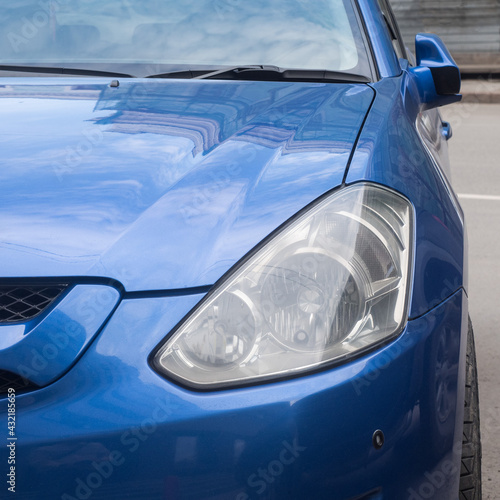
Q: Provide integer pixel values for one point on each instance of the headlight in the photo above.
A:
(330, 285)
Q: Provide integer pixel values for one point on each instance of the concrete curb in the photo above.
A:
(481, 90)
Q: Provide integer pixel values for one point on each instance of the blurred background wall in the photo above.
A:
(470, 29)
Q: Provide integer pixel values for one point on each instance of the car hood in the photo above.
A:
(162, 184)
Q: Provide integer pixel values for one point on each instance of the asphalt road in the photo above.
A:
(475, 158)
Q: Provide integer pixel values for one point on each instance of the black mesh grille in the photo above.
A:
(24, 302)
(13, 381)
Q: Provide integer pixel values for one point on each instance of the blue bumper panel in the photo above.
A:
(43, 351)
(111, 428)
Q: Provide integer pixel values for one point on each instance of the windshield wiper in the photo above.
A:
(258, 73)
(61, 71)
(267, 73)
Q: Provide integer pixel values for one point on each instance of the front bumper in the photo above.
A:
(111, 428)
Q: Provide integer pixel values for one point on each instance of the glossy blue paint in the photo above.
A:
(162, 184)
(378, 35)
(447, 131)
(42, 352)
(390, 152)
(180, 444)
(437, 75)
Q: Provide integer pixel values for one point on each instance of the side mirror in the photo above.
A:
(437, 74)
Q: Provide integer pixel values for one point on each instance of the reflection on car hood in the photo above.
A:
(162, 184)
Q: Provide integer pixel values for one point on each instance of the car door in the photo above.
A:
(433, 131)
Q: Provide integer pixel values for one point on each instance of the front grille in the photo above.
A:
(10, 380)
(24, 302)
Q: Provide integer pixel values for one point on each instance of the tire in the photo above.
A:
(470, 473)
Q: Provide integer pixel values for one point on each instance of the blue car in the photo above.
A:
(232, 263)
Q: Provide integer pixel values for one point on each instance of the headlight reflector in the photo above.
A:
(331, 284)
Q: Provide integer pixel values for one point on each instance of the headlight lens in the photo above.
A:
(330, 285)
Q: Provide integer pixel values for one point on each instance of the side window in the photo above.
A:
(392, 27)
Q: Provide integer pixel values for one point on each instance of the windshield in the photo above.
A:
(144, 37)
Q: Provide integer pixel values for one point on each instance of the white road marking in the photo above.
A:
(484, 197)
